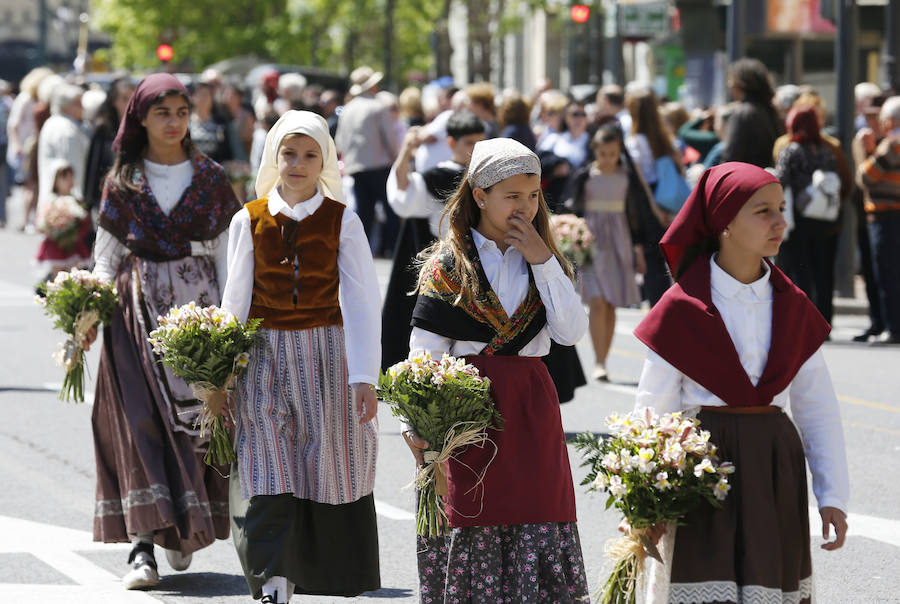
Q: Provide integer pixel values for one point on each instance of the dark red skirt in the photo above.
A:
(529, 480)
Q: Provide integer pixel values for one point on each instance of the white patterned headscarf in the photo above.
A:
(314, 126)
(496, 159)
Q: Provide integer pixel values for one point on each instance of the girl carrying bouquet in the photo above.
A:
(757, 342)
(62, 219)
(161, 239)
(302, 508)
(496, 290)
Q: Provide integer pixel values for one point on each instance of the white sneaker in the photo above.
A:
(143, 573)
(600, 373)
(141, 576)
(177, 560)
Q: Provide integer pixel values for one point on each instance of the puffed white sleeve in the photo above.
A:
(108, 254)
(360, 302)
(566, 319)
(421, 340)
(411, 202)
(238, 292)
(814, 408)
(660, 385)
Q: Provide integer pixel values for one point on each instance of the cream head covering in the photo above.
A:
(496, 159)
(314, 126)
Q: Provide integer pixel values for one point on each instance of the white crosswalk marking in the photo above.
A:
(57, 546)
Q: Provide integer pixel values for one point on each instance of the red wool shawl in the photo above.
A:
(686, 329)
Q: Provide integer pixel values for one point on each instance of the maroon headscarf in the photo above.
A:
(803, 125)
(144, 95)
(685, 327)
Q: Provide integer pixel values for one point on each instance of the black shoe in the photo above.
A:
(143, 573)
(891, 339)
(270, 599)
(864, 336)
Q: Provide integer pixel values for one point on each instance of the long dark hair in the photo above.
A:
(107, 117)
(132, 152)
(645, 117)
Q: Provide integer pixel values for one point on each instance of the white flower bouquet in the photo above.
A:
(655, 469)
(77, 301)
(209, 349)
(574, 238)
(60, 219)
(449, 405)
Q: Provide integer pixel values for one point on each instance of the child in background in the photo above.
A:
(600, 192)
(303, 513)
(65, 223)
(496, 290)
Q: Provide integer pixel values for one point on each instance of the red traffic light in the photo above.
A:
(165, 53)
(580, 13)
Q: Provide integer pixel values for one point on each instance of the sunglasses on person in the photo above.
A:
(578, 114)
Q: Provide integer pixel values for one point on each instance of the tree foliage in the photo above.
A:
(324, 33)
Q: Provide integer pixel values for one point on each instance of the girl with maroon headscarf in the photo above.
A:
(732, 341)
(161, 238)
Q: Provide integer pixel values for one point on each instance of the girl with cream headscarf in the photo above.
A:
(306, 431)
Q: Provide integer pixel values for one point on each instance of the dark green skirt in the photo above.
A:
(329, 550)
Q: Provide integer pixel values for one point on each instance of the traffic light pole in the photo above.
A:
(891, 56)
(735, 30)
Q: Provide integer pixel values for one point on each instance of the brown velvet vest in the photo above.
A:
(295, 276)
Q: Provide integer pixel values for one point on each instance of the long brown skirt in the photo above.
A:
(755, 548)
(150, 477)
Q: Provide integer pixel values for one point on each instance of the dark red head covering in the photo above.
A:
(144, 95)
(719, 195)
(803, 125)
(686, 329)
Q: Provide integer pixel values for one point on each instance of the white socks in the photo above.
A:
(280, 586)
(143, 538)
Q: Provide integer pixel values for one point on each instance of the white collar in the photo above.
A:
(481, 242)
(301, 210)
(729, 287)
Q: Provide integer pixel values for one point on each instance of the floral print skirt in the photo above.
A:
(503, 564)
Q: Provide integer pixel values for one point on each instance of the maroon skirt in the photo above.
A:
(529, 480)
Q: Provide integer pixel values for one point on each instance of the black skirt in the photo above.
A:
(329, 550)
(565, 368)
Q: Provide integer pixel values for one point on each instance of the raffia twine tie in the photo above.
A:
(433, 470)
(215, 400)
(630, 552)
(68, 356)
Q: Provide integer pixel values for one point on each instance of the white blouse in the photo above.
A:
(508, 276)
(360, 302)
(746, 310)
(168, 184)
(416, 201)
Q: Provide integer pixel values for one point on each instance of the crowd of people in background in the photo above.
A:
(664, 147)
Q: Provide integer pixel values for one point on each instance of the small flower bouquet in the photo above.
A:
(209, 349)
(60, 219)
(574, 237)
(77, 301)
(656, 469)
(449, 405)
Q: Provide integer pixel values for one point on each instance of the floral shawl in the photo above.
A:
(482, 319)
(203, 213)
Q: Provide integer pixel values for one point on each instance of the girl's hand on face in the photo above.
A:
(524, 237)
(366, 402)
(836, 518)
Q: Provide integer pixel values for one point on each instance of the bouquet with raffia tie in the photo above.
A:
(574, 238)
(208, 348)
(77, 300)
(656, 469)
(449, 405)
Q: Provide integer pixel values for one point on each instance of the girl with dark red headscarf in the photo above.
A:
(162, 239)
(731, 341)
(809, 168)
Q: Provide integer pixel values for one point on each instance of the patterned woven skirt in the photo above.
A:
(540, 563)
(303, 501)
(755, 548)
